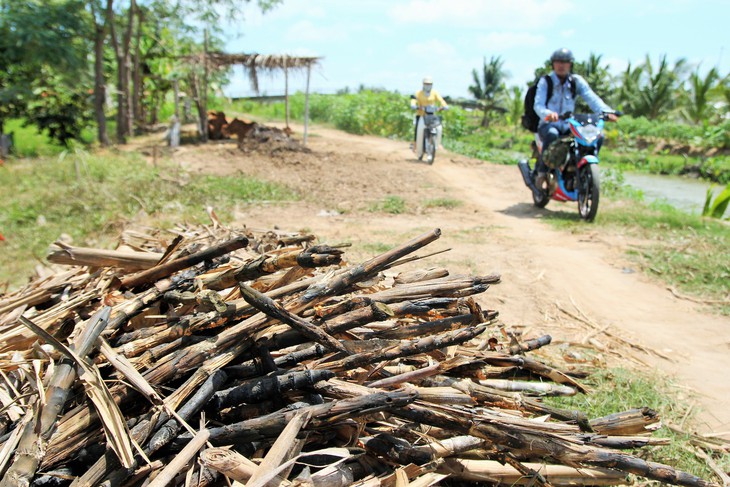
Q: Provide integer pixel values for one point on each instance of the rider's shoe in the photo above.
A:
(541, 179)
(412, 147)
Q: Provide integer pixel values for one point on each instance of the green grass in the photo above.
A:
(446, 203)
(392, 204)
(711, 168)
(684, 251)
(91, 196)
(377, 247)
(616, 390)
(679, 249)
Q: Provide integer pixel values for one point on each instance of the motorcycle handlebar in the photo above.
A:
(567, 115)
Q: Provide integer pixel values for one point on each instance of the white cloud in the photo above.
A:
(306, 31)
(616, 65)
(431, 49)
(521, 14)
(499, 41)
(567, 33)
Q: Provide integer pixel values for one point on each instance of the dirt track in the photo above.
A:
(563, 283)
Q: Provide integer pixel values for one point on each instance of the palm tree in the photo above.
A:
(515, 108)
(698, 105)
(652, 92)
(489, 87)
(597, 76)
(628, 90)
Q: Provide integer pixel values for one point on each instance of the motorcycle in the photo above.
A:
(572, 163)
(430, 133)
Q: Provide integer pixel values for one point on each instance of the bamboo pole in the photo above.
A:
(286, 89)
(306, 104)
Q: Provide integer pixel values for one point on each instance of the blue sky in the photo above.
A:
(394, 43)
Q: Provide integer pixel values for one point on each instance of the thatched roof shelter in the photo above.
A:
(261, 63)
(256, 64)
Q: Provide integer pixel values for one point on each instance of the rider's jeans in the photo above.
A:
(550, 131)
(420, 126)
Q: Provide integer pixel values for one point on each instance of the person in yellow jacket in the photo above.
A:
(425, 97)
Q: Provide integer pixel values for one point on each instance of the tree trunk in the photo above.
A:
(122, 55)
(203, 111)
(128, 68)
(5, 141)
(137, 75)
(121, 75)
(100, 84)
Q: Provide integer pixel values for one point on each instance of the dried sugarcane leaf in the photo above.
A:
(115, 427)
(127, 370)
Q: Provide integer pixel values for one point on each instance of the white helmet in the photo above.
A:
(427, 80)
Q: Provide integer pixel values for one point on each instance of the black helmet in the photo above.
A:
(563, 54)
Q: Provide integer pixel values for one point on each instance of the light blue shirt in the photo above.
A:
(562, 100)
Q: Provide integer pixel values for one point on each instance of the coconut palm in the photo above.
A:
(597, 76)
(488, 88)
(698, 102)
(515, 108)
(653, 91)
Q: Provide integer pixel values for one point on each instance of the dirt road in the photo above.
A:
(574, 284)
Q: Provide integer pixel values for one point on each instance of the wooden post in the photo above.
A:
(176, 87)
(306, 103)
(204, 92)
(286, 88)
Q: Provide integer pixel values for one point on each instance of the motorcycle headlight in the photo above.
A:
(590, 132)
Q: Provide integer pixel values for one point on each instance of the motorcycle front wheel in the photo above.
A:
(429, 148)
(589, 193)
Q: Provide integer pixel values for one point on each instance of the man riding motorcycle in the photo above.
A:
(561, 101)
(425, 97)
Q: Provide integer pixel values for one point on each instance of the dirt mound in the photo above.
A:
(271, 141)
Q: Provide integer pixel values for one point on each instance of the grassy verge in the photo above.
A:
(715, 169)
(617, 390)
(90, 196)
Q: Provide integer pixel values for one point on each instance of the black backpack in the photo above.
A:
(530, 119)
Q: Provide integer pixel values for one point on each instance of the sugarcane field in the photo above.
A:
(364, 244)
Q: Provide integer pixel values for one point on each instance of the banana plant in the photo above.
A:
(715, 207)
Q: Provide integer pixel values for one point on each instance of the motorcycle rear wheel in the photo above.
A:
(589, 193)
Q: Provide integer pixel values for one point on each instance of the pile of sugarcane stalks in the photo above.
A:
(259, 358)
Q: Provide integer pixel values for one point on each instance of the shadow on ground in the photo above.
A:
(528, 210)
